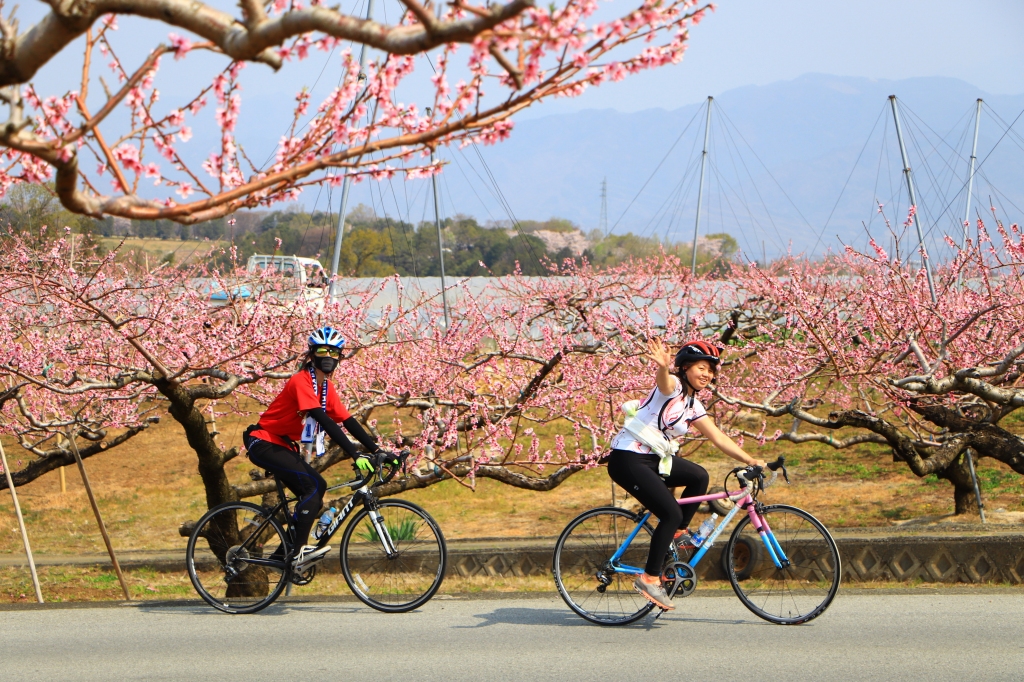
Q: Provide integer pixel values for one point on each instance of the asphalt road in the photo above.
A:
(863, 636)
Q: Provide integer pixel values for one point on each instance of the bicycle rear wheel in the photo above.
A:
(798, 592)
(407, 578)
(219, 567)
(583, 572)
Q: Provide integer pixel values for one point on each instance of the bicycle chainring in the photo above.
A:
(304, 578)
(680, 579)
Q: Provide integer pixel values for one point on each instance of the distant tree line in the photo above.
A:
(372, 246)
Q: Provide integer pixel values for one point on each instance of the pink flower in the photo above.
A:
(180, 44)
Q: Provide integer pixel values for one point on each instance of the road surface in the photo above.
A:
(957, 635)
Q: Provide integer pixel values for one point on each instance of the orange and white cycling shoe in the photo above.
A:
(653, 592)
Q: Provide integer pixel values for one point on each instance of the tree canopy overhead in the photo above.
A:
(134, 166)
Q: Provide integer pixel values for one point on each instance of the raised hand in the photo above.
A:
(659, 353)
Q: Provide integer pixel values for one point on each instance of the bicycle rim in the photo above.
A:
(581, 566)
(217, 552)
(408, 578)
(794, 594)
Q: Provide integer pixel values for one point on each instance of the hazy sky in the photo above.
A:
(754, 42)
(745, 42)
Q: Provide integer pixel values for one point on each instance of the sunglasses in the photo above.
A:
(324, 351)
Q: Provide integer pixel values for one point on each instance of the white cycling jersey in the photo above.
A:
(671, 414)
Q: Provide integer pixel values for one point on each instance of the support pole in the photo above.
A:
(970, 175)
(913, 197)
(99, 518)
(440, 247)
(977, 489)
(700, 204)
(21, 526)
(63, 482)
(347, 183)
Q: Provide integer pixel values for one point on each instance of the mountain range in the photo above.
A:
(796, 165)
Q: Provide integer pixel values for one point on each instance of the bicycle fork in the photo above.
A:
(779, 557)
(383, 534)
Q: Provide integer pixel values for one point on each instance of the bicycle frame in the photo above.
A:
(362, 493)
(746, 501)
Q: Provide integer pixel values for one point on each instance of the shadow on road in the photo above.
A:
(524, 616)
(276, 609)
(531, 616)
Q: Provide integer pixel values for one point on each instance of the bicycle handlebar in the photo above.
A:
(755, 474)
(379, 460)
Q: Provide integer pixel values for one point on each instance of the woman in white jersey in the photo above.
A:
(671, 407)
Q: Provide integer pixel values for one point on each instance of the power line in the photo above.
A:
(654, 172)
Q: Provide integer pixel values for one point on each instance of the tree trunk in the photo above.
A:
(211, 457)
(966, 501)
(959, 474)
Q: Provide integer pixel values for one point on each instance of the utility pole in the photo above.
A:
(440, 246)
(437, 218)
(970, 174)
(603, 224)
(700, 203)
(967, 221)
(347, 184)
(913, 197)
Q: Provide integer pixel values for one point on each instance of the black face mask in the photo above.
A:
(325, 364)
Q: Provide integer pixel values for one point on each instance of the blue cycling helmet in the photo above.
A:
(326, 336)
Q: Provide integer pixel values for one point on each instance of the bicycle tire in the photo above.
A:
(799, 592)
(580, 565)
(252, 588)
(399, 583)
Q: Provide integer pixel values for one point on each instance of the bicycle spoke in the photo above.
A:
(410, 575)
(795, 593)
(581, 556)
(217, 552)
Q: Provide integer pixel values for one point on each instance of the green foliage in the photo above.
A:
(35, 212)
(373, 246)
(399, 532)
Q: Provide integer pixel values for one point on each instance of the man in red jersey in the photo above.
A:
(308, 408)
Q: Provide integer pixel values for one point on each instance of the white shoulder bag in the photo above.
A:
(651, 437)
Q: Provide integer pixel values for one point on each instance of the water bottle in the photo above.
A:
(704, 531)
(324, 523)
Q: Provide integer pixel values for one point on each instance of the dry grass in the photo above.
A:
(149, 486)
(184, 251)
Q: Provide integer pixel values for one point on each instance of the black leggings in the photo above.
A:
(297, 476)
(638, 475)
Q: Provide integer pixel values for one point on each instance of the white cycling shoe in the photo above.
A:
(307, 556)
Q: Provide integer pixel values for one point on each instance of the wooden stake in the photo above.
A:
(99, 519)
(21, 525)
(63, 482)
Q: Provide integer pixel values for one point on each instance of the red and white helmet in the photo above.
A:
(695, 350)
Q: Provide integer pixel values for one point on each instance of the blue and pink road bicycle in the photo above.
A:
(782, 562)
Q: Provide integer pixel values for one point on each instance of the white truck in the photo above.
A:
(307, 272)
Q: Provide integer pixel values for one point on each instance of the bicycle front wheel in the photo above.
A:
(221, 553)
(797, 592)
(403, 576)
(583, 572)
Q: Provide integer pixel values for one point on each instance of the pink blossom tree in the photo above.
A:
(854, 350)
(102, 147)
(528, 352)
